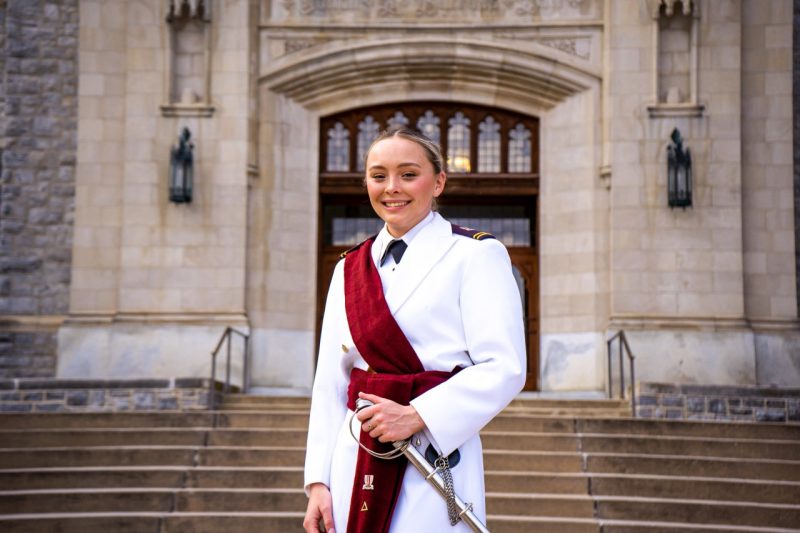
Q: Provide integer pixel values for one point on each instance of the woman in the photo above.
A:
(431, 335)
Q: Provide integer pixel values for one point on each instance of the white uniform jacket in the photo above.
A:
(457, 302)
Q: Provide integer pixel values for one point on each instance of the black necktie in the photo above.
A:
(397, 248)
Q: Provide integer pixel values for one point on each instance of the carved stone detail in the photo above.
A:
(431, 9)
(537, 7)
(199, 9)
(567, 45)
(295, 45)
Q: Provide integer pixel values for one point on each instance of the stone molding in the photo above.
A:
(663, 110)
(221, 318)
(768, 324)
(449, 11)
(187, 110)
(578, 46)
(17, 323)
(644, 322)
(537, 75)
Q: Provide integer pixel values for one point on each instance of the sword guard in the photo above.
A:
(361, 403)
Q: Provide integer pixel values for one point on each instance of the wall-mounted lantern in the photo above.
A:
(679, 172)
(181, 169)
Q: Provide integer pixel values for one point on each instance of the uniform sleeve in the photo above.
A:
(329, 396)
(491, 314)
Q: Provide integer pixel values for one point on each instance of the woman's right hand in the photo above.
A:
(320, 507)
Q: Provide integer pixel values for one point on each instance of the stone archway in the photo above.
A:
(299, 88)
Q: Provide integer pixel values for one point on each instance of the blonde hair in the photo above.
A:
(432, 151)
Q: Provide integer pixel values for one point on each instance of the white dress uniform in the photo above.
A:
(457, 302)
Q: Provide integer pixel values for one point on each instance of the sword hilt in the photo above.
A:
(362, 403)
(429, 472)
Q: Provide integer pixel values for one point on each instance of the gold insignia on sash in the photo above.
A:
(364, 507)
(368, 482)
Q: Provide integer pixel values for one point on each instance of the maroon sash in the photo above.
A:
(398, 375)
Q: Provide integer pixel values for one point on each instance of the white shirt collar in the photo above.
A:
(384, 237)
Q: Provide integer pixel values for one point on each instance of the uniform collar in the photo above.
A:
(384, 237)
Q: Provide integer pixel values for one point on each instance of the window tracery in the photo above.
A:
(519, 149)
(429, 125)
(476, 140)
(458, 143)
(338, 149)
(489, 145)
(368, 131)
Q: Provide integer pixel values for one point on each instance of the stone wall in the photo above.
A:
(38, 141)
(708, 402)
(796, 142)
(59, 395)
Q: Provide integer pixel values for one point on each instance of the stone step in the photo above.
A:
(150, 456)
(267, 522)
(570, 412)
(531, 424)
(710, 467)
(19, 438)
(297, 419)
(550, 505)
(144, 477)
(699, 512)
(73, 438)
(695, 446)
(515, 461)
(536, 482)
(612, 405)
(170, 419)
(98, 456)
(696, 488)
(262, 522)
(151, 500)
(288, 419)
(683, 428)
(620, 443)
(256, 399)
(526, 524)
(636, 526)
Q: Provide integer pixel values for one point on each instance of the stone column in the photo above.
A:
(768, 190)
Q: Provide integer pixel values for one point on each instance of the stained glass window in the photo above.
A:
(338, 148)
(519, 149)
(368, 130)
(489, 145)
(429, 125)
(458, 144)
(398, 119)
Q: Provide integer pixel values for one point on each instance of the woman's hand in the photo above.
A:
(389, 421)
(320, 507)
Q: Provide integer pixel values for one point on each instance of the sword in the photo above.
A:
(429, 472)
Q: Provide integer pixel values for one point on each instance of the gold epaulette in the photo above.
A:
(356, 247)
(472, 233)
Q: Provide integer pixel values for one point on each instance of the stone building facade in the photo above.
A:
(706, 294)
(39, 101)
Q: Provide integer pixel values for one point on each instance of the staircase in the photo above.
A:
(550, 466)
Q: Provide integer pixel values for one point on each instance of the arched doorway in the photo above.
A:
(492, 184)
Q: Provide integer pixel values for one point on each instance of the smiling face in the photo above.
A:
(401, 183)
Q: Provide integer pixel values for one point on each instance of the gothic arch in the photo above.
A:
(533, 77)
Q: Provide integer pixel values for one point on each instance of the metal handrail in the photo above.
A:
(226, 335)
(623, 342)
